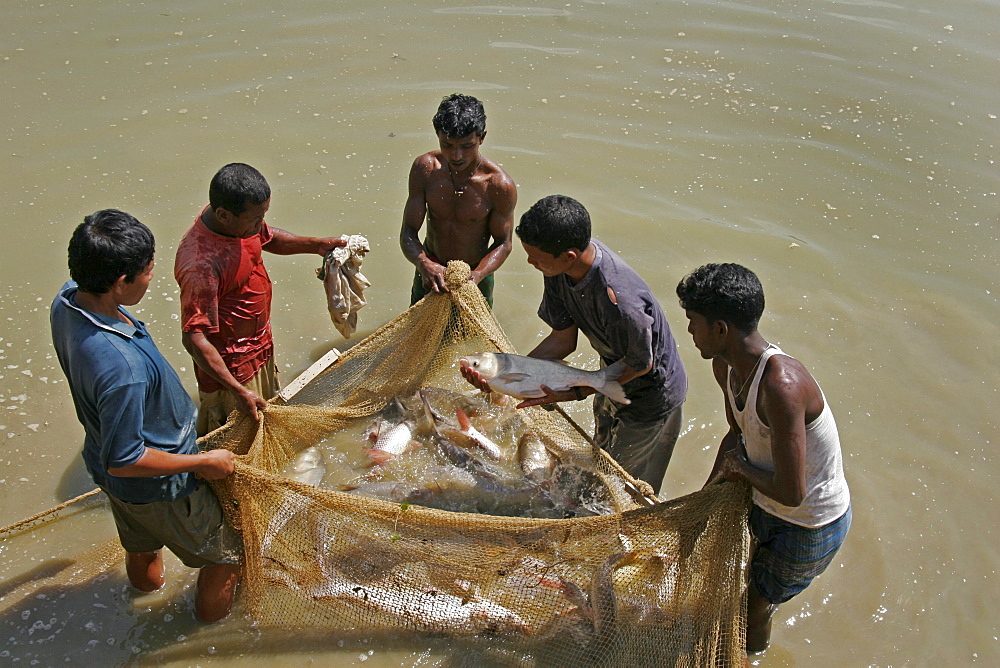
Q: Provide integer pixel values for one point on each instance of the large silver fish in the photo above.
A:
(536, 460)
(392, 434)
(307, 467)
(522, 377)
(457, 455)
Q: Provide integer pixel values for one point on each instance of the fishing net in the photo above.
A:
(646, 583)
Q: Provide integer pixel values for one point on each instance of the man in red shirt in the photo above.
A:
(226, 294)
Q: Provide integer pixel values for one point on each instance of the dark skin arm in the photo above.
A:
(208, 359)
(788, 400)
(285, 243)
(414, 214)
(559, 344)
(211, 465)
(731, 441)
(500, 224)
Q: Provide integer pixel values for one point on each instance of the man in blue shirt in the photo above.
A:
(139, 422)
(589, 289)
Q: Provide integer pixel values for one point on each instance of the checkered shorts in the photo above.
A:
(789, 556)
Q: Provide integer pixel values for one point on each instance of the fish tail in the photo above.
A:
(609, 385)
(428, 413)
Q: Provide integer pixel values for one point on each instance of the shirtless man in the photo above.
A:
(466, 198)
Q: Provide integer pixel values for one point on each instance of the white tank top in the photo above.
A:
(827, 496)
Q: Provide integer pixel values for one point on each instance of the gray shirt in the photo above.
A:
(634, 330)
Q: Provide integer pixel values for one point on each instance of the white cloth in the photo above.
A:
(344, 283)
(827, 496)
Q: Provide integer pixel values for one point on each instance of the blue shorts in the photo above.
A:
(789, 556)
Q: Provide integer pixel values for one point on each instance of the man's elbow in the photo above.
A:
(187, 342)
(793, 498)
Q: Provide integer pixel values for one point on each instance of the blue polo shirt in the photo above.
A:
(127, 397)
(634, 330)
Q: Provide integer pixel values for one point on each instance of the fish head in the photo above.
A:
(486, 364)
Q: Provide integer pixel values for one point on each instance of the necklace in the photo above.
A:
(749, 375)
(459, 191)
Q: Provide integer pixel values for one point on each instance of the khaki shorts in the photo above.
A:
(193, 528)
(216, 406)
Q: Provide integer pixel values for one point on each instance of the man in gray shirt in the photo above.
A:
(590, 289)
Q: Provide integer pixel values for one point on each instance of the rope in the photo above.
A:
(642, 492)
(28, 520)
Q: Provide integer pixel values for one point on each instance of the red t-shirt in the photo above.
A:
(226, 295)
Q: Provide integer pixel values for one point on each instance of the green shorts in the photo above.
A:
(193, 528)
(417, 292)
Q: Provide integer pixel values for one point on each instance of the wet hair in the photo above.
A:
(460, 115)
(108, 244)
(236, 187)
(728, 292)
(555, 224)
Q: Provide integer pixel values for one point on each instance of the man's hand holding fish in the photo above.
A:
(550, 397)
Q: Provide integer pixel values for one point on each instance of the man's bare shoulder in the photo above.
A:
(497, 177)
(787, 379)
(428, 163)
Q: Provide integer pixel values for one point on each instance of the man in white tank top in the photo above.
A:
(782, 440)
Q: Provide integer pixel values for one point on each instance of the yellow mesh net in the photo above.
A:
(649, 583)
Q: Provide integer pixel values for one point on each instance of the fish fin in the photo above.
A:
(429, 413)
(512, 377)
(379, 456)
(463, 420)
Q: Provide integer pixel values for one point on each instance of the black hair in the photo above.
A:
(555, 224)
(108, 244)
(728, 292)
(236, 187)
(460, 115)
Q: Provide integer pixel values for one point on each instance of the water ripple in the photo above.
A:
(504, 11)
(547, 49)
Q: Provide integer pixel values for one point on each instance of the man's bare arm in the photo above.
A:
(503, 195)
(211, 465)
(285, 243)
(210, 361)
(559, 344)
(414, 215)
(784, 400)
(731, 441)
